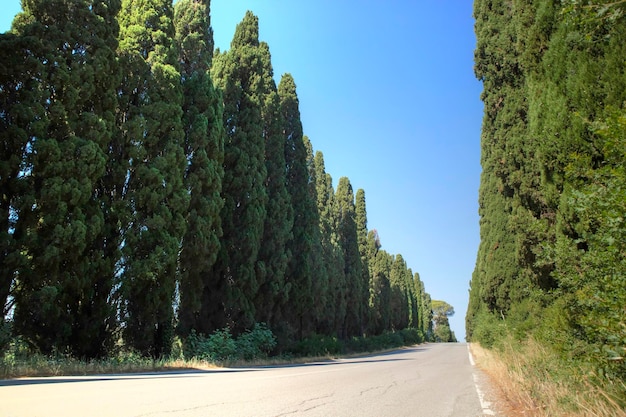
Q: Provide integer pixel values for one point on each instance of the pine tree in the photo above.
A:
(156, 193)
(62, 302)
(241, 75)
(204, 149)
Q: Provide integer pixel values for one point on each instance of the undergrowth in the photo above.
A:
(534, 381)
(254, 347)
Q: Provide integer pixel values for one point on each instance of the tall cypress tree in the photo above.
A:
(301, 265)
(333, 319)
(240, 74)
(156, 193)
(361, 230)
(22, 118)
(62, 302)
(399, 308)
(353, 271)
(379, 288)
(320, 290)
(274, 254)
(204, 149)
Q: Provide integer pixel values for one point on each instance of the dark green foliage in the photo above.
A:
(303, 246)
(333, 316)
(274, 254)
(156, 194)
(217, 347)
(379, 287)
(21, 114)
(204, 150)
(356, 286)
(361, 231)
(399, 287)
(220, 345)
(320, 284)
(255, 343)
(550, 263)
(148, 187)
(242, 75)
(65, 280)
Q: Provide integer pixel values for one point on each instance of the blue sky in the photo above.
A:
(387, 93)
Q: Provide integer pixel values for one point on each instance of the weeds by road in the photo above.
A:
(533, 382)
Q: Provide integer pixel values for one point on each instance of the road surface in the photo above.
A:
(433, 380)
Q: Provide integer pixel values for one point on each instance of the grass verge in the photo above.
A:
(532, 381)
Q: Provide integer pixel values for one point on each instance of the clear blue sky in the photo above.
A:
(387, 93)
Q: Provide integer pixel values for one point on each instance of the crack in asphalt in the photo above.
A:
(304, 402)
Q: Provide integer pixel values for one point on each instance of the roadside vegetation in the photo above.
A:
(548, 293)
(533, 381)
(220, 349)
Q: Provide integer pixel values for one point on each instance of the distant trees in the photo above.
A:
(151, 190)
(441, 312)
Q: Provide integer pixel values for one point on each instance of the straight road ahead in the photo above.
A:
(433, 380)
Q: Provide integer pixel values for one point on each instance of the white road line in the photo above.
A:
(486, 405)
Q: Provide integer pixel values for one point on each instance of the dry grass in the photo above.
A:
(40, 366)
(533, 382)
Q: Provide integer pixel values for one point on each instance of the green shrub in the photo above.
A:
(255, 343)
(5, 336)
(319, 345)
(219, 346)
(412, 336)
(488, 330)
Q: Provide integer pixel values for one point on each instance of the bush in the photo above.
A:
(255, 343)
(219, 346)
(319, 345)
(488, 330)
(412, 336)
(5, 336)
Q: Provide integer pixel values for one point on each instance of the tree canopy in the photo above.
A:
(157, 192)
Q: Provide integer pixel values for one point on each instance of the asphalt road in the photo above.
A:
(433, 380)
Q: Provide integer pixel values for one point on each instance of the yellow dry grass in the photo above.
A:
(530, 381)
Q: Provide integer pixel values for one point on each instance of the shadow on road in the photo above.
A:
(391, 356)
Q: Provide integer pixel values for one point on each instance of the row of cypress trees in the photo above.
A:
(151, 188)
(551, 262)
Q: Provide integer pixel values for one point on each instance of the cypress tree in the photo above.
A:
(204, 150)
(379, 287)
(333, 319)
(352, 268)
(399, 308)
(156, 193)
(241, 75)
(320, 290)
(62, 302)
(361, 229)
(274, 255)
(302, 263)
(22, 118)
